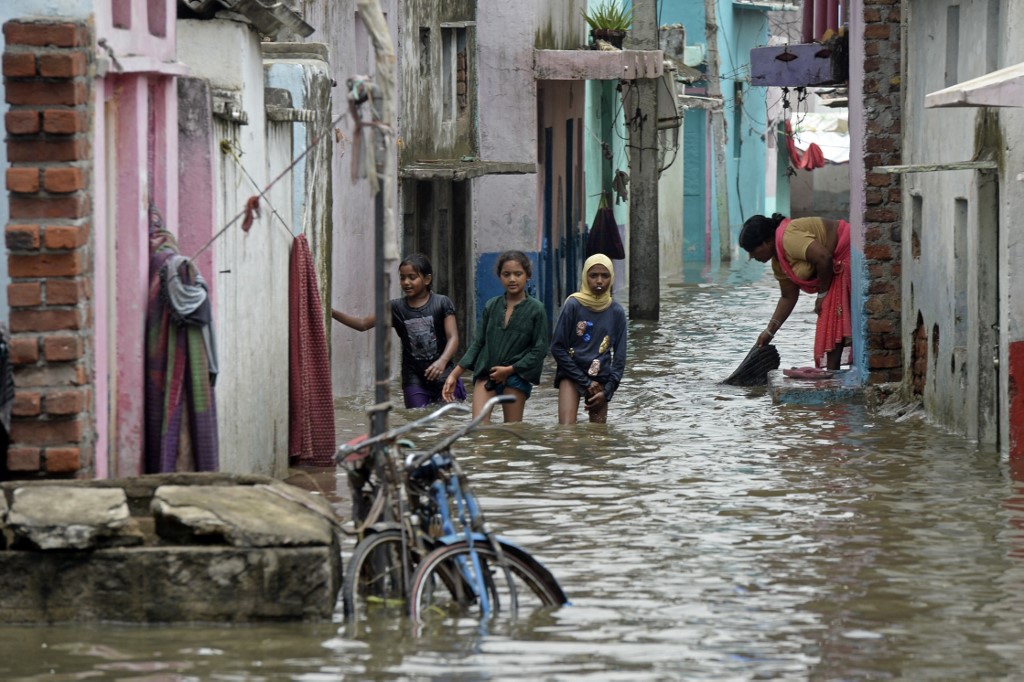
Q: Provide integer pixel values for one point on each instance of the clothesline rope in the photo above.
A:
(250, 202)
(227, 148)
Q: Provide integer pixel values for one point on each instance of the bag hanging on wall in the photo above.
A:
(604, 233)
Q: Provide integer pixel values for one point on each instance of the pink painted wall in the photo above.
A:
(131, 270)
(135, 137)
(1015, 393)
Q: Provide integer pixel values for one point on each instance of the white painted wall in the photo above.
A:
(351, 53)
(251, 268)
(670, 208)
(505, 211)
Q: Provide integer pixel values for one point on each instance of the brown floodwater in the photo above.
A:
(703, 534)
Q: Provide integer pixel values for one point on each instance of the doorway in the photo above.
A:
(435, 223)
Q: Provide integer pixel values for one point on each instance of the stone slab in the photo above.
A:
(242, 516)
(844, 386)
(272, 553)
(55, 517)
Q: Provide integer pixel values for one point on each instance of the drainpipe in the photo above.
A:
(820, 16)
(807, 29)
(833, 15)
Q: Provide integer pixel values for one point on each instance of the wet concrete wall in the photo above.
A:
(953, 223)
(250, 267)
(167, 548)
(351, 52)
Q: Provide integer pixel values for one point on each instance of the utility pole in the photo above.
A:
(378, 167)
(642, 121)
(718, 139)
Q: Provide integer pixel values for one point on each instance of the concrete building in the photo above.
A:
(493, 125)
(724, 150)
(114, 109)
(963, 258)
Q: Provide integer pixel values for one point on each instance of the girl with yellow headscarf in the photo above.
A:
(589, 344)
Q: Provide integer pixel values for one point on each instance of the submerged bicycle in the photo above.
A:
(426, 547)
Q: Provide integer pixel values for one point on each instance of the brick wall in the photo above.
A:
(883, 210)
(46, 69)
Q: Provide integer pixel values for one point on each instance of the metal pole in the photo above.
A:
(381, 327)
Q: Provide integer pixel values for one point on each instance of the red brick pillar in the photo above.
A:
(883, 191)
(46, 68)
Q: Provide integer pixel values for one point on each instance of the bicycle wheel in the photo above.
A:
(447, 583)
(375, 575)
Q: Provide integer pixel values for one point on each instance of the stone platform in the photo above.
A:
(844, 386)
(167, 548)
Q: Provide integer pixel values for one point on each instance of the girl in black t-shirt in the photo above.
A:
(425, 323)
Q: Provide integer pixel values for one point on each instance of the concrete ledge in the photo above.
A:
(842, 387)
(597, 65)
(458, 170)
(171, 585)
(204, 548)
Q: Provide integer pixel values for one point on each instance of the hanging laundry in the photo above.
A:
(621, 186)
(311, 400)
(181, 363)
(810, 159)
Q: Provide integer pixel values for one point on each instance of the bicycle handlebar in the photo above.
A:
(394, 433)
(447, 442)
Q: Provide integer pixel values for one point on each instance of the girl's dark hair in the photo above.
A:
(419, 263)
(758, 230)
(517, 256)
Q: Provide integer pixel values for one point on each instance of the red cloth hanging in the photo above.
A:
(810, 159)
(310, 398)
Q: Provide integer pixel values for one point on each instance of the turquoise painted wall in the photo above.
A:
(745, 125)
(604, 124)
(745, 113)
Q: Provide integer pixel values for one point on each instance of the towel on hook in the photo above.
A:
(181, 406)
(311, 401)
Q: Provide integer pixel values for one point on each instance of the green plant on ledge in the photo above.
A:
(609, 15)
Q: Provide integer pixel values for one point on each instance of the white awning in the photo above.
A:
(1002, 88)
(829, 130)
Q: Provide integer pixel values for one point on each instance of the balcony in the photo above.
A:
(597, 65)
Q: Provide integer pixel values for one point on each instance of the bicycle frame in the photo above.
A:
(447, 489)
(443, 484)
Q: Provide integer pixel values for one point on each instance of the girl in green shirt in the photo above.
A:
(510, 343)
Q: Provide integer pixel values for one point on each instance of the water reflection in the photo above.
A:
(703, 533)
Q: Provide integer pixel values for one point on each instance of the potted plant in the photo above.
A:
(609, 21)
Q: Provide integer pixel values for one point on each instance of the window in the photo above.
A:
(424, 54)
(916, 208)
(121, 11)
(454, 72)
(960, 263)
(952, 44)
(156, 14)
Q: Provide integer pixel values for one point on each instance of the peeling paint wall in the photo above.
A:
(559, 24)
(962, 263)
(504, 211)
(351, 52)
(437, 49)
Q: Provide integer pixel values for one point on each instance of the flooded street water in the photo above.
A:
(703, 534)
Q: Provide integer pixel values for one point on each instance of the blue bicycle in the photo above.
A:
(426, 547)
